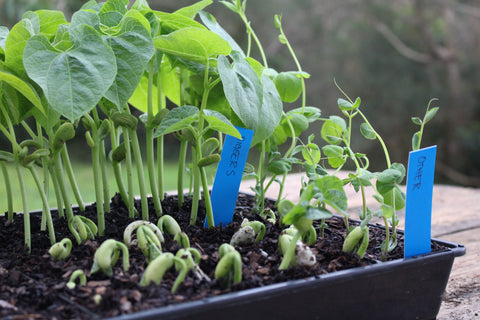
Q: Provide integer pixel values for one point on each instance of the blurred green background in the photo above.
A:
(396, 55)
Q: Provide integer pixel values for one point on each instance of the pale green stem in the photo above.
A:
(141, 177)
(26, 212)
(181, 170)
(384, 147)
(56, 189)
(299, 67)
(117, 168)
(59, 173)
(287, 154)
(255, 38)
(97, 178)
(203, 176)
(150, 143)
(206, 196)
(196, 189)
(161, 167)
(387, 239)
(8, 188)
(128, 159)
(71, 178)
(151, 171)
(103, 169)
(161, 102)
(46, 208)
(261, 179)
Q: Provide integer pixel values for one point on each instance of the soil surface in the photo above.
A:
(34, 286)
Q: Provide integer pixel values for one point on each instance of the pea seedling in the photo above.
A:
(157, 268)
(229, 267)
(106, 257)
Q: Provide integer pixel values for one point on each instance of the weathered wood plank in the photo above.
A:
(462, 297)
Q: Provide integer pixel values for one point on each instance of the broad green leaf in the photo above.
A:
(15, 44)
(112, 12)
(387, 211)
(23, 87)
(34, 19)
(14, 104)
(289, 86)
(331, 187)
(299, 123)
(154, 22)
(295, 214)
(133, 48)
(243, 90)
(177, 119)
(62, 38)
(270, 112)
(284, 207)
(430, 114)
(256, 65)
(47, 120)
(212, 24)
(367, 131)
(281, 166)
(192, 10)
(193, 44)
(85, 17)
(311, 113)
(229, 5)
(389, 178)
(378, 197)
(49, 21)
(209, 146)
(170, 82)
(357, 102)
(416, 141)
(417, 121)
(91, 5)
(339, 121)
(401, 168)
(399, 198)
(332, 132)
(311, 153)
(318, 213)
(173, 21)
(344, 104)
(358, 181)
(219, 122)
(279, 136)
(301, 74)
(141, 5)
(3, 37)
(139, 98)
(137, 17)
(335, 155)
(73, 81)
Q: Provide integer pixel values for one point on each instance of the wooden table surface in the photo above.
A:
(455, 218)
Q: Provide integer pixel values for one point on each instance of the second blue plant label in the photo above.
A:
(418, 210)
(229, 175)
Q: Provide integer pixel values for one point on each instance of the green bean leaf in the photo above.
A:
(177, 119)
(74, 80)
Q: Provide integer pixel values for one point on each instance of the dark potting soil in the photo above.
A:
(34, 286)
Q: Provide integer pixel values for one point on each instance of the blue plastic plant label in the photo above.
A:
(229, 175)
(418, 210)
